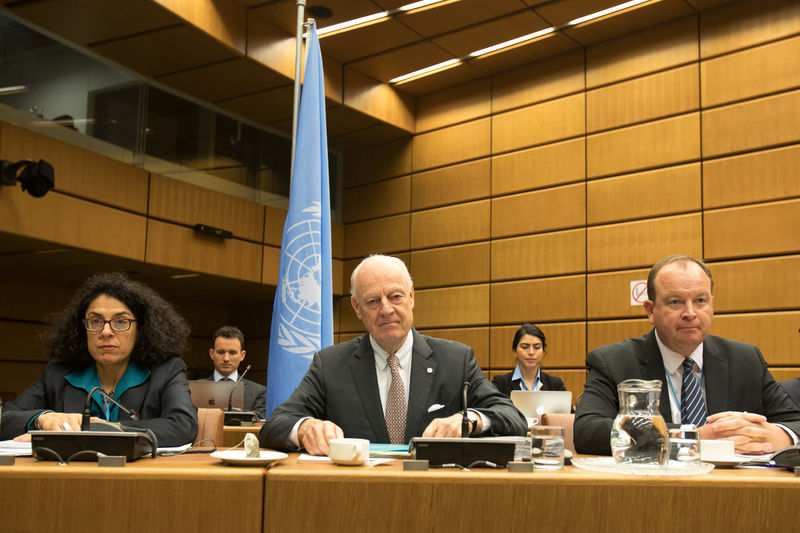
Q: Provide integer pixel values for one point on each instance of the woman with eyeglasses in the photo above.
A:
(119, 335)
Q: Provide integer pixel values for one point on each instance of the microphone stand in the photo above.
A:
(238, 418)
(465, 418)
(87, 408)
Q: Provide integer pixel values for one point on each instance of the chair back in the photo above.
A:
(565, 420)
(209, 426)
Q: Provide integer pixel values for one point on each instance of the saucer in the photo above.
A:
(343, 462)
(724, 462)
(239, 458)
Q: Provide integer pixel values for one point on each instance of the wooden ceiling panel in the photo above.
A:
(646, 16)
(457, 15)
(388, 65)
(91, 21)
(702, 5)
(165, 51)
(342, 120)
(463, 42)
(454, 76)
(549, 47)
(284, 13)
(562, 11)
(377, 134)
(367, 41)
(266, 107)
(225, 80)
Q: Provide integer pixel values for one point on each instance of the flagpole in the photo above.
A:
(298, 59)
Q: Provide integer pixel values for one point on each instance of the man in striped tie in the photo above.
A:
(391, 384)
(720, 385)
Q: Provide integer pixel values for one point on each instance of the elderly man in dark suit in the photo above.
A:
(724, 385)
(391, 384)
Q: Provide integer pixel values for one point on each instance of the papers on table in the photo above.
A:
(12, 447)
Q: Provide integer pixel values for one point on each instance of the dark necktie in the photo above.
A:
(226, 378)
(693, 406)
(395, 404)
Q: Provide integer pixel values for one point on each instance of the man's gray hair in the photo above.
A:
(384, 259)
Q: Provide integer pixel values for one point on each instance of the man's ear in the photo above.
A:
(243, 354)
(648, 307)
(355, 307)
(211, 353)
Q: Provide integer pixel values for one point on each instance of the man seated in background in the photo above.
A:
(227, 353)
(391, 384)
(723, 386)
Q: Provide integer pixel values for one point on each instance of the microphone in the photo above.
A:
(465, 418)
(238, 381)
(87, 408)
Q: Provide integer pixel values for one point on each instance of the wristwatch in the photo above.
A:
(472, 417)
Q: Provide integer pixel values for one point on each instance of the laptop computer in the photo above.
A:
(214, 394)
(533, 404)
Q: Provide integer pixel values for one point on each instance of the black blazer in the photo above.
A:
(792, 387)
(162, 401)
(736, 379)
(341, 385)
(505, 384)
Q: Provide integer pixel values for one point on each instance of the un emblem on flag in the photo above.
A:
(301, 286)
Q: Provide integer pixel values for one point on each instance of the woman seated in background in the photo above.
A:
(120, 335)
(530, 347)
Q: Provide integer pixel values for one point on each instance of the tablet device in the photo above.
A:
(214, 394)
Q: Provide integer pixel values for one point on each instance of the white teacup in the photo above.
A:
(716, 450)
(349, 451)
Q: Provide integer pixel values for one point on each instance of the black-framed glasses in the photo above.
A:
(117, 324)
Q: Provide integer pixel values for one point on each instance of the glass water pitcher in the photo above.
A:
(639, 433)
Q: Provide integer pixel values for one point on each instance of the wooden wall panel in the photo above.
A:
(15, 377)
(452, 307)
(451, 184)
(476, 338)
(274, 219)
(555, 77)
(539, 124)
(646, 194)
(270, 265)
(783, 374)
(454, 265)
(546, 210)
(542, 300)
(643, 243)
(377, 162)
(390, 197)
(651, 97)
(29, 301)
(650, 50)
(348, 321)
(763, 229)
(78, 171)
(534, 256)
(451, 145)
(450, 225)
(453, 105)
(176, 246)
(337, 240)
(775, 334)
(381, 235)
(654, 144)
(742, 24)
(22, 341)
(750, 73)
(608, 295)
(574, 381)
(378, 100)
(72, 222)
(605, 332)
(729, 181)
(756, 284)
(183, 203)
(543, 166)
(752, 125)
(566, 344)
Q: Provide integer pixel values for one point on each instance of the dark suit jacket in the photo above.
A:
(255, 396)
(341, 386)
(792, 388)
(505, 385)
(736, 379)
(162, 401)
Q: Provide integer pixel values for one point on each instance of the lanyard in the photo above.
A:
(672, 388)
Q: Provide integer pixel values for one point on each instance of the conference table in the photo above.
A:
(198, 493)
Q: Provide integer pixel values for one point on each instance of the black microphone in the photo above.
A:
(87, 408)
(465, 418)
(238, 381)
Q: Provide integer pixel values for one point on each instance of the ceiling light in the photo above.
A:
(427, 71)
(615, 10)
(353, 24)
(14, 89)
(513, 43)
(422, 5)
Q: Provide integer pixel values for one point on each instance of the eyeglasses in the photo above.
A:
(117, 324)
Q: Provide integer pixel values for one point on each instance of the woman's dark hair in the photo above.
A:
(160, 331)
(528, 329)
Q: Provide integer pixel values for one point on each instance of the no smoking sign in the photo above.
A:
(638, 291)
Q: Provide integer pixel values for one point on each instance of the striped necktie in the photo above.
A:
(395, 404)
(693, 406)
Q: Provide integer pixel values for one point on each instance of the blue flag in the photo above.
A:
(302, 315)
